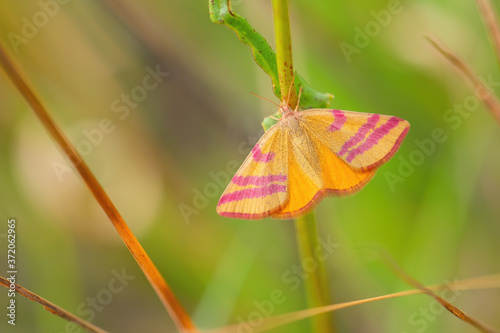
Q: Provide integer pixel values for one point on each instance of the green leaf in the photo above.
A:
(265, 57)
(310, 98)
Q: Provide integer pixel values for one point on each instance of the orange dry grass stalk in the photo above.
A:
(447, 305)
(483, 282)
(483, 93)
(175, 309)
(51, 307)
(491, 23)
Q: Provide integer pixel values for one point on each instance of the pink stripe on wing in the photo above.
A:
(251, 193)
(360, 134)
(374, 138)
(257, 180)
(258, 156)
(338, 122)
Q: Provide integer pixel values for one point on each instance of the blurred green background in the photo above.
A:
(435, 210)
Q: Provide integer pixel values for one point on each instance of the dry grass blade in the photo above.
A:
(447, 305)
(51, 307)
(175, 309)
(481, 90)
(491, 23)
(484, 282)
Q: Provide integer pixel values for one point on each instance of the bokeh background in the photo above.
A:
(165, 154)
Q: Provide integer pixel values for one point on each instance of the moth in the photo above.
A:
(308, 155)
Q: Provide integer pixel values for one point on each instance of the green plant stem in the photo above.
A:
(307, 239)
(317, 291)
(284, 52)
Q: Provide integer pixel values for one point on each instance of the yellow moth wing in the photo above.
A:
(314, 172)
(363, 140)
(260, 185)
(308, 155)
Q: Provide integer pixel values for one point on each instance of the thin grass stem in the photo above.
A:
(51, 307)
(173, 306)
(491, 23)
(480, 89)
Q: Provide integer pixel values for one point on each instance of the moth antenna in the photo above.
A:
(290, 90)
(298, 101)
(266, 99)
